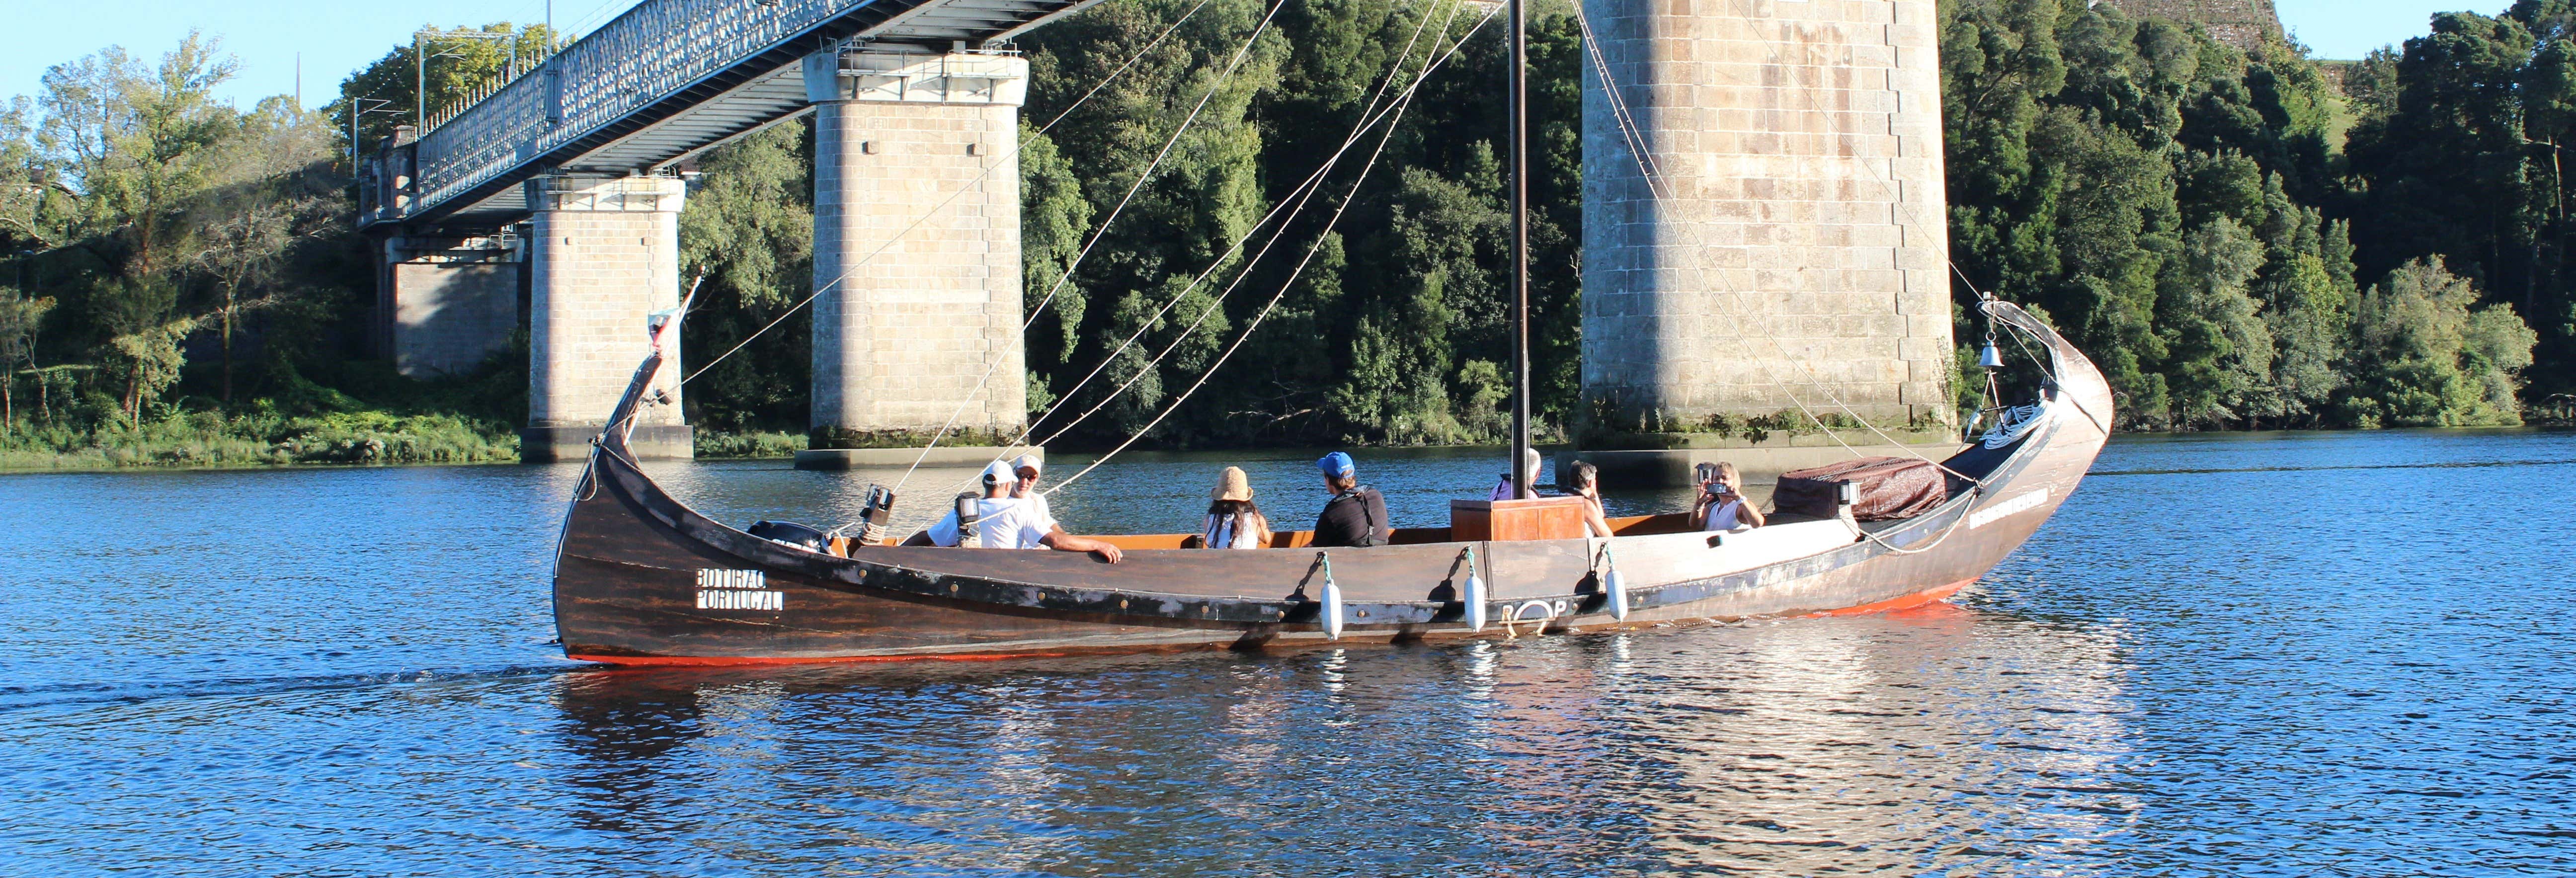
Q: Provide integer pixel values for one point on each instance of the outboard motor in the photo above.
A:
(969, 534)
(872, 523)
(792, 534)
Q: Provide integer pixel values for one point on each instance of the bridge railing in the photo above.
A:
(653, 50)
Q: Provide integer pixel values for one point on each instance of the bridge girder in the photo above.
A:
(663, 82)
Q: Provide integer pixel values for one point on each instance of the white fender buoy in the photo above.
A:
(1473, 595)
(1332, 614)
(1615, 587)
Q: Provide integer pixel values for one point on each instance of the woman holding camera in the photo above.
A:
(1721, 505)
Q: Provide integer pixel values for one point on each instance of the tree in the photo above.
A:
(271, 187)
(454, 68)
(750, 227)
(2220, 353)
(2463, 152)
(19, 318)
(2428, 357)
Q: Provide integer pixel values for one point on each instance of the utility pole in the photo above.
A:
(420, 69)
(358, 107)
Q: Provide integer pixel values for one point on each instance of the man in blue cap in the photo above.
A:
(1356, 516)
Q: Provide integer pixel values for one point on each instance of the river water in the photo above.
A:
(2302, 654)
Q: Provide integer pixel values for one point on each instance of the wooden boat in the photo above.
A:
(640, 578)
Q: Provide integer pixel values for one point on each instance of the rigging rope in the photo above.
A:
(1011, 158)
(1403, 101)
(1098, 232)
(1302, 194)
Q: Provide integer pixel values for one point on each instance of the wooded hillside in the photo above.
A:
(2239, 242)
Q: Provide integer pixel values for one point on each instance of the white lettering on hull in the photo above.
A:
(738, 590)
(2022, 502)
(733, 579)
(732, 599)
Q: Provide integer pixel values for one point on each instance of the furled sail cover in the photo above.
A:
(1889, 487)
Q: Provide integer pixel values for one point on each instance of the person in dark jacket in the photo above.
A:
(1356, 516)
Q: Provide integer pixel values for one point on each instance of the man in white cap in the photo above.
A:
(1027, 467)
(1006, 522)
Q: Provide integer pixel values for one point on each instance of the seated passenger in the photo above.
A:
(1721, 505)
(1530, 463)
(1027, 468)
(1587, 485)
(1232, 521)
(1005, 522)
(1356, 516)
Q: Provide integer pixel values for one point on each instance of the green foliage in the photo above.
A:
(2168, 197)
(2204, 220)
(261, 437)
(1380, 336)
(160, 226)
(2463, 148)
(719, 445)
(2431, 358)
(749, 227)
(453, 68)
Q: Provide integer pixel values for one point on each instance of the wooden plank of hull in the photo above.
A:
(627, 575)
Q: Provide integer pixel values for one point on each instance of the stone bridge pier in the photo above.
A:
(605, 255)
(1801, 255)
(916, 254)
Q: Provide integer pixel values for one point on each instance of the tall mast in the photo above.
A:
(1520, 250)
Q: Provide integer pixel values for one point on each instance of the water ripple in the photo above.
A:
(2344, 656)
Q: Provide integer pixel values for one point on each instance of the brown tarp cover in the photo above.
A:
(1890, 487)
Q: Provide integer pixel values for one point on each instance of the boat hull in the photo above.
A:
(642, 579)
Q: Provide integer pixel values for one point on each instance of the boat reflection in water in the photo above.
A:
(1937, 738)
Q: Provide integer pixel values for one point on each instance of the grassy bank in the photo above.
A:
(211, 439)
(713, 445)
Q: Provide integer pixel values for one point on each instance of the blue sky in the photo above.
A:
(337, 37)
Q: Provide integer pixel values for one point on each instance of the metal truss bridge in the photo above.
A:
(664, 81)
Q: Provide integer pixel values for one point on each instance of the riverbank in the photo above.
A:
(206, 440)
(211, 440)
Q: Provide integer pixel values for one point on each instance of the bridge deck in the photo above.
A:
(665, 80)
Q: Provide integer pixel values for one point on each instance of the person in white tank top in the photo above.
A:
(1232, 521)
(1721, 505)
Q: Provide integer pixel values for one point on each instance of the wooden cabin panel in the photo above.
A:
(1537, 518)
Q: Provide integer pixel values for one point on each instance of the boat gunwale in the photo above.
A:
(613, 467)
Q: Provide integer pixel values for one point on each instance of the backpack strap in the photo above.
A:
(1362, 493)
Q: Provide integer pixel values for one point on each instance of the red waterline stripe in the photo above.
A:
(1907, 602)
(741, 661)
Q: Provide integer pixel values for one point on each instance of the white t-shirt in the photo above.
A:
(1720, 517)
(1006, 523)
(1038, 501)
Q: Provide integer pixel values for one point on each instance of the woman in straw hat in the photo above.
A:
(1232, 521)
